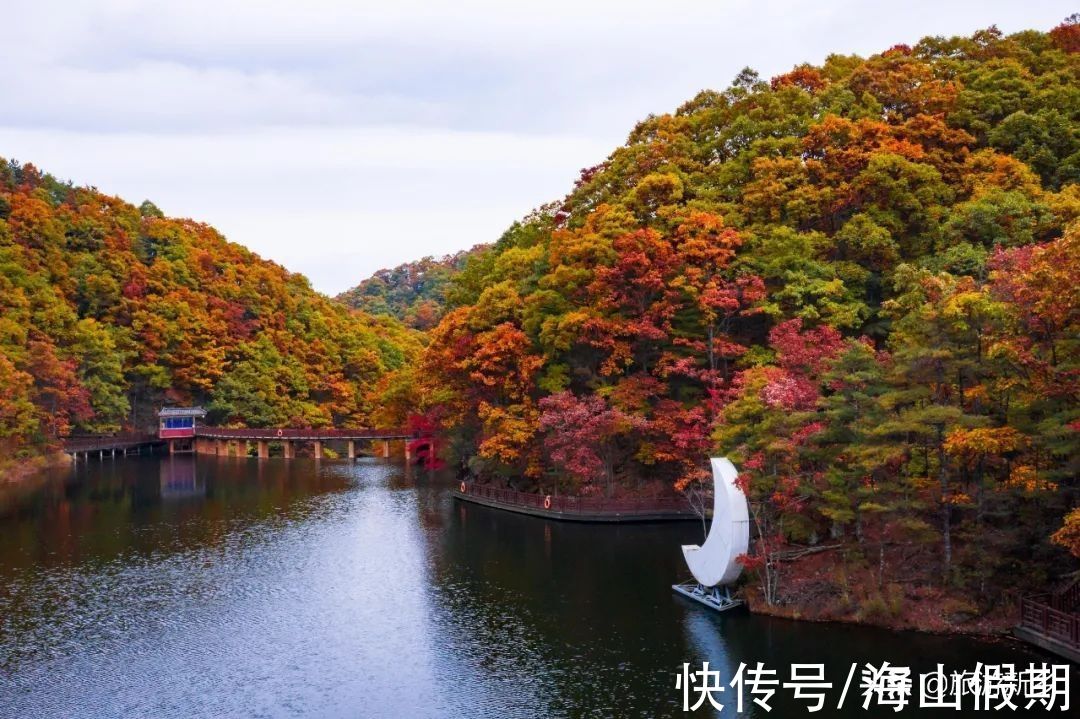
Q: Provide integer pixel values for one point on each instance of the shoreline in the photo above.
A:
(992, 630)
(21, 470)
(1003, 635)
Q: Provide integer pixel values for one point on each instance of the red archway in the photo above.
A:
(423, 448)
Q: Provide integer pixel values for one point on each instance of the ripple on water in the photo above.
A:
(274, 589)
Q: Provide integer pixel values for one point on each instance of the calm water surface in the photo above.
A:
(231, 587)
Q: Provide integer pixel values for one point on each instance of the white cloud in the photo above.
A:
(337, 119)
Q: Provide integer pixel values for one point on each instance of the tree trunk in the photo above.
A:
(946, 508)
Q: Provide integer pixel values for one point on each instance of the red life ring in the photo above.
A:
(547, 502)
(463, 488)
(279, 433)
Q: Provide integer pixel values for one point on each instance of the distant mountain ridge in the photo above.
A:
(108, 310)
(413, 292)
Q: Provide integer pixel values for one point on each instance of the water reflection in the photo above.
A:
(710, 644)
(180, 479)
(237, 587)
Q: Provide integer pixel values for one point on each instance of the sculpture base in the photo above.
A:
(718, 598)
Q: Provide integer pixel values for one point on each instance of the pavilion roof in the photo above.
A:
(182, 412)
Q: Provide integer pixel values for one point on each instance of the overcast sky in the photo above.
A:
(338, 137)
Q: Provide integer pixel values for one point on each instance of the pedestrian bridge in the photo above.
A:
(87, 445)
(308, 435)
(225, 441)
(237, 442)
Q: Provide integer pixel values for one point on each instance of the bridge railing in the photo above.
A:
(1038, 615)
(118, 440)
(581, 505)
(310, 434)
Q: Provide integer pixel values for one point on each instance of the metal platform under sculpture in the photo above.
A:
(718, 598)
(715, 563)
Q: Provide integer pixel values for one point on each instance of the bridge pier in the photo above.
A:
(290, 450)
(317, 445)
(264, 449)
(352, 449)
(386, 449)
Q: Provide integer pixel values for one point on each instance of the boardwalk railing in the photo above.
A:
(107, 442)
(303, 434)
(581, 505)
(1067, 600)
(1038, 615)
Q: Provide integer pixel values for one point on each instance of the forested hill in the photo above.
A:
(108, 310)
(858, 280)
(414, 292)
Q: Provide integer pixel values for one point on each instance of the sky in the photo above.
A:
(338, 137)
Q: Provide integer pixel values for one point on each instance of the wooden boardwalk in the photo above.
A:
(1052, 621)
(109, 444)
(578, 509)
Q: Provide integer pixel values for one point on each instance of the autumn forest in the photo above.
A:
(860, 281)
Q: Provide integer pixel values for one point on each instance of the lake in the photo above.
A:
(232, 587)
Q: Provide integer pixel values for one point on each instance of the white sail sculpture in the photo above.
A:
(715, 563)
